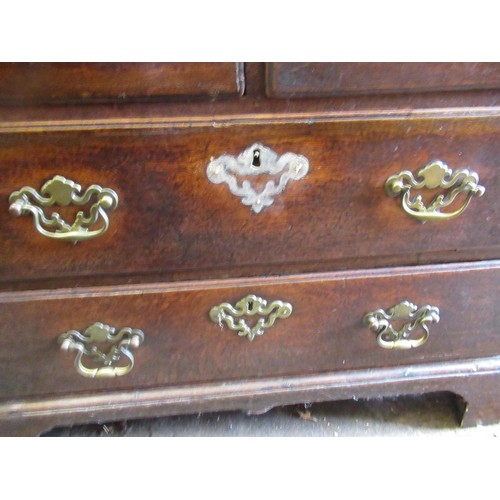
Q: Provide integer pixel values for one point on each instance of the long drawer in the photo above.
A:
(172, 222)
(319, 325)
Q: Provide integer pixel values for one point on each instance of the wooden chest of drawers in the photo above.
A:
(236, 249)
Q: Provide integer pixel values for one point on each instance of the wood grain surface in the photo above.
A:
(292, 79)
(172, 223)
(324, 333)
(29, 83)
(178, 245)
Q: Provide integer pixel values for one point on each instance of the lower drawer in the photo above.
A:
(318, 328)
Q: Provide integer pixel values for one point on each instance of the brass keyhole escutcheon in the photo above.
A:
(251, 305)
(257, 163)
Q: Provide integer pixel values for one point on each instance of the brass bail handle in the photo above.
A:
(63, 192)
(434, 175)
(414, 318)
(88, 346)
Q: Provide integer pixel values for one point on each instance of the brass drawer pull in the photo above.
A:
(86, 344)
(434, 175)
(250, 306)
(414, 318)
(64, 192)
(257, 160)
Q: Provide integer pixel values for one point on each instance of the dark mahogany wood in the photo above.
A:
(482, 402)
(325, 332)
(172, 222)
(69, 82)
(178, 245)
(471, 381)
(249, 108)
(325, 79)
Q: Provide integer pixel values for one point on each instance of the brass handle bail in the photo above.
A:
(413, 317)
(88, 345)
(64, 192)
(434, 175)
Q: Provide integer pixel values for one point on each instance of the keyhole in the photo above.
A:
(250, 307)
(256, 158)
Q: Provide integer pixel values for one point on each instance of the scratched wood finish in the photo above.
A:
(172, 225)
(171, 220)
(28, 83)
(473, 384)
(248, 108)
(182, 345)
(322, 79)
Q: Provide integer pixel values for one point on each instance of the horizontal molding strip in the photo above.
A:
(191, 395)
(223, 283)
(226, 120)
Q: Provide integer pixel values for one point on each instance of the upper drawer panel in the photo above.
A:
(172, 220)
(334, 79)
(45, 82)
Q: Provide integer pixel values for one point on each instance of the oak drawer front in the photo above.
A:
(171, 220)
(28, 83)
(334, 79)
(323, 330)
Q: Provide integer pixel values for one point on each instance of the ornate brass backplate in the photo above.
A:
(257, 160)
(64, 192)
(89, 345)
(434, 175)
(250, 306)
(414, 319)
